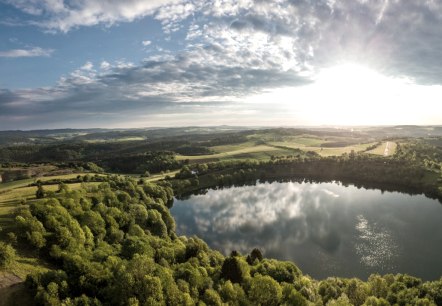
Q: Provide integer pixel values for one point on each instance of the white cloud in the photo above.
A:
(105, 65)
(62, 15)
(33, 52)
(257, 55)
(87, 66)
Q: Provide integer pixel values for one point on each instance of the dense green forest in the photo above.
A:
(115, 244)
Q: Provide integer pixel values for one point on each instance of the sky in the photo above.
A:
(138, 63)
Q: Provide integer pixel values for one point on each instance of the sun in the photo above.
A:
(353, 94)
(351, 78)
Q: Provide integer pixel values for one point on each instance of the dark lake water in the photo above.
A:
(327, 229)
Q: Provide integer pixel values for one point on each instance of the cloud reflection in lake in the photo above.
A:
(326, 229)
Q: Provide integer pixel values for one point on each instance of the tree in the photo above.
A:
(40, 193)
(232, 270)
(254, 255)
(341, 301)
(7, 255)
(211, 297)
(264, 290)
(373, 301)
(292, 297)
(37, 239)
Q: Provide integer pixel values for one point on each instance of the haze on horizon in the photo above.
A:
(108, 63)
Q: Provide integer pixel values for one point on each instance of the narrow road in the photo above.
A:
(386, 149)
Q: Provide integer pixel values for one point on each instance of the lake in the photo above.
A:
(326, 229)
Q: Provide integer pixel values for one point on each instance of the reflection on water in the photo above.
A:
(327, 229)
(375, 245)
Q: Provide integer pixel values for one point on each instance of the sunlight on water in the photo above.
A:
(326, 228)
(375, 245)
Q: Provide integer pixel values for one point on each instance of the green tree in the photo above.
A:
(341, 301)
(211, 297)
(7, 255)
(232, 270)
(374, 301)
(264, 290)
(40, 193)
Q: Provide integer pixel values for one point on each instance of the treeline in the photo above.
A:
(95, 149)
(375, 172)
(79, 179)
(150, 161)
(115, 244)
(112, 157)
(421, 152)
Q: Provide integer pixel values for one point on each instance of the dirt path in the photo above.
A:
(8, 279)
(386, 149)
(9, 285)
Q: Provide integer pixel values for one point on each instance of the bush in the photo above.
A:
(7, 255)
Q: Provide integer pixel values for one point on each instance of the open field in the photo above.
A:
(336, 151)
(236, 152)
(25, 182)
(323, 151)
(381, 149)
(156, 177)
(152, 178)
(263, 147)
(115, 139)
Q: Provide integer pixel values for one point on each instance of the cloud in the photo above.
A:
(105, 65)
(399, 38)
(64, 15)
(197, 81)
(33, 52)
(278, 217)
(229, 51)
(87, 66)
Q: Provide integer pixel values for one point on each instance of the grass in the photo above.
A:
(339, 150)
(235, 153)
(380, 150)
(156, 177)
(122, 139)
(233, 147)
(324, 151)
(278, 146)
(151, 178)
(25, 182)
(15, 184)
(301, 141)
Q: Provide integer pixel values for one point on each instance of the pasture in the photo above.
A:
(386, 148)
(264, 146)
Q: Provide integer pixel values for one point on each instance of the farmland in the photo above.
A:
(266, 146)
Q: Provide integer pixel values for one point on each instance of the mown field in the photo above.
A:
(386, 148)
(266, 146)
